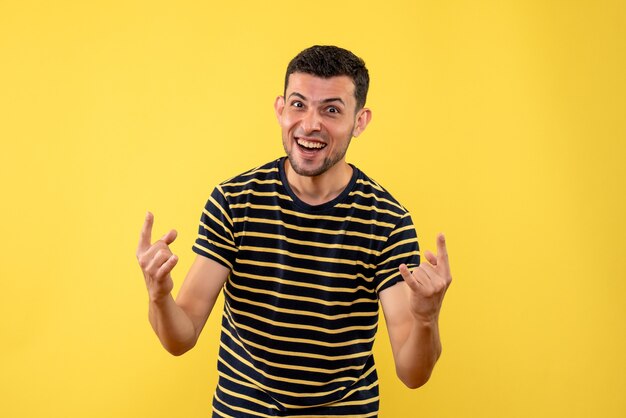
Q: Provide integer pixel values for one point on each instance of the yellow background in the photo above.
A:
(501, 123)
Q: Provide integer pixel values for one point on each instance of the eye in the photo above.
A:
(332, 109)
(297, 103)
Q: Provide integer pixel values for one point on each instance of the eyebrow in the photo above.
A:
(329, 100)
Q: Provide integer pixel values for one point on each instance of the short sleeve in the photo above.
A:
(401, 247)
(216, 238)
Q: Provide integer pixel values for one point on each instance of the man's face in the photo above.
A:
(318, 120)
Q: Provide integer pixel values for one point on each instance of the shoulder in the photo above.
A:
(369, 192)
(261, 185)
(268, 171)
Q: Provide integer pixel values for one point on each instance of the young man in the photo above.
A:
(304, 248)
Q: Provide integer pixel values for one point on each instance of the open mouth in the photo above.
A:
(309, 145)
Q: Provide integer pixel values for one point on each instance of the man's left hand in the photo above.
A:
(428, 283)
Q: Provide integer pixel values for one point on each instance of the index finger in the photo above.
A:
(146, 233)
(442, 252)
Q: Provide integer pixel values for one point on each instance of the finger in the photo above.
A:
(428, 270)
(426, 274)
(422, 277)
(442, 252)
(170, 237)
(146, 233)
(408, 277)
(430, 257)
(162, 243)
(159, 245)
(168, 266)
(155, 260)
(437, 281)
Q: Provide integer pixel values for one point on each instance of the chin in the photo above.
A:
(309, 172)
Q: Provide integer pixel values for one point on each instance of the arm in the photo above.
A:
(411, 312)
(177, 323)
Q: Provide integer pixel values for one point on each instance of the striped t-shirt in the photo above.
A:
(301, 300)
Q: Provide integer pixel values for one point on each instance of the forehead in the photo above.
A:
(317, 88)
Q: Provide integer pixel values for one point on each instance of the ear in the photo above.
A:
(363, 118)
(279, 105)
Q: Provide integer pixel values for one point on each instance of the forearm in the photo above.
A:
(172, 325)
(416, 358)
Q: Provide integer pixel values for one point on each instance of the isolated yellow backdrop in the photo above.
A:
(501, 123)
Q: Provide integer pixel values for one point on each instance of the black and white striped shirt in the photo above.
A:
(301, 301)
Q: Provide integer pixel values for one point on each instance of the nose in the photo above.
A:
(311, 121)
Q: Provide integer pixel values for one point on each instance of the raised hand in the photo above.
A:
(156, 260)
(428, 283)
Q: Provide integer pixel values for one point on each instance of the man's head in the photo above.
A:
(331, 61)
(321, 110)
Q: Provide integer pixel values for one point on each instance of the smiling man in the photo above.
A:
(304, 248)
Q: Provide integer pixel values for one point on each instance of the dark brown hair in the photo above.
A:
(328, 61)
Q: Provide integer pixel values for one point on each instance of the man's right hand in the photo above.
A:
(156, 261)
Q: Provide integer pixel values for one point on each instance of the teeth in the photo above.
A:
(311, 144)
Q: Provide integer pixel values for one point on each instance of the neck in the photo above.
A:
(317, 190)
